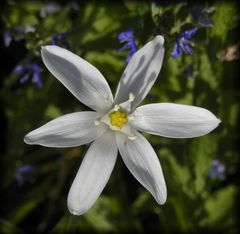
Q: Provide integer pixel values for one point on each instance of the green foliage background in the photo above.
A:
(196, 203)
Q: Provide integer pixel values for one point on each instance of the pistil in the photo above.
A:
(118, 118)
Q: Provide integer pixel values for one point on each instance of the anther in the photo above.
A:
(132, 137)
(131, 117)
(115, 128)
(116, 108)
(131, 97)
(97, 122)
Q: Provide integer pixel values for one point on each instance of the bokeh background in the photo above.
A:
(200, 68)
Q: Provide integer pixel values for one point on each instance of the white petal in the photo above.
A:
(93, 174)
(81, 78)
(67, 131)
(174, 120)
(141, 72)
(143, 163)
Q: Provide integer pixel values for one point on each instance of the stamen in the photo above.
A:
(131, 97)
(132, 137)
(126, 106)
(115, 128)
(118, 117)
(131, 117)
(97, 122)
(116, 108)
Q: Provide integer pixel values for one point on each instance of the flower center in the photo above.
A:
(118, 118)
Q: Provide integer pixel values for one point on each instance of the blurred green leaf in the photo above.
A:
(179, 175)
(8, 228)
(99, 216)
(52, 112)
(218, 206)
(24, 209)
(202, 151)
(229, 10)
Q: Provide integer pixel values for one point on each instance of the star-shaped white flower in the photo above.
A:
(114, 123)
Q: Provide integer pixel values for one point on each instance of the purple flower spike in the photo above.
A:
(36, 75)
(126, 35)
(28, 70)
(7, 37)
(183, 43)
(24, 173)
(128, 38)
(11, 34)
(217, 170)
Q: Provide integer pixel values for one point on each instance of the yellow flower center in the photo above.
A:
(118, 118)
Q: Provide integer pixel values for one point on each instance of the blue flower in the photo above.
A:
(60, 39)
(10, 33)
(128, 38)
(183, 43)
(24, 173)
(217, 170)
(201, 15)
(29, 70)
(7, 37)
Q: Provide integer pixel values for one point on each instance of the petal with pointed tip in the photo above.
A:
(93, 174)
(81, 78)
(67, 131)
(141, 72)
(174, 120)
(143, 163)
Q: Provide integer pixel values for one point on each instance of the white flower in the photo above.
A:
(114, 123)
